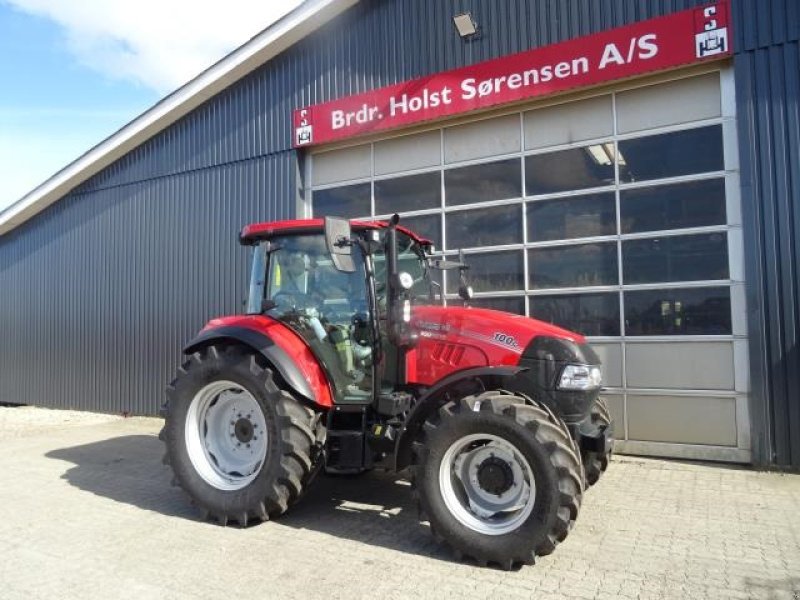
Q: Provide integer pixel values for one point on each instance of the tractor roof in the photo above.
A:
(264, 231)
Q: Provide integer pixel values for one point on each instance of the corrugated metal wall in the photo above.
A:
(767, 71)
(100, 291)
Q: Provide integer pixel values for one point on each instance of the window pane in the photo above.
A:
(562, 219)
(481, 183)
(671, 154)
(589, 314)
(573, 266)
(702, 311)
(565, 170)
(693, 204)
(487, 227)
(415, 192)
(678, 258)
(491, 272)
(512, 305)
(347, 201)
(428, 226)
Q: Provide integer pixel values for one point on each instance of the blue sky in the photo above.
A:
(73, 73)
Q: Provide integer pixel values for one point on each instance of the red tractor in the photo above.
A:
(347, 361)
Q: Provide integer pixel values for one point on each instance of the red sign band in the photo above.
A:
(679, 39)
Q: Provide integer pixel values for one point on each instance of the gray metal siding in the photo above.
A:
(768, 89)
(100, 291)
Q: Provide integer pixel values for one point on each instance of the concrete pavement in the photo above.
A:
(88, 512)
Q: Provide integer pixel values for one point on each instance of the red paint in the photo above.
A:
(291, 343)
(312, 226)
(683, 38)
(453, 338)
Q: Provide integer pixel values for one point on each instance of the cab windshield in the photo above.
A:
(410, 259)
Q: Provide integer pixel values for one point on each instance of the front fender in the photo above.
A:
(301, 373)
(456, 385)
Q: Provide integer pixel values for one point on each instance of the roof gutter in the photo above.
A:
(281, 35)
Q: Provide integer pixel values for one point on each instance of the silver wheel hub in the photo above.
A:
(226, 435)
(487, 484)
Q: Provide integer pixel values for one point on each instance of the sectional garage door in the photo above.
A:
(615, 214)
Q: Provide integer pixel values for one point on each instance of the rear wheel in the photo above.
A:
(242, 447)
(595, 463)
(498, 478)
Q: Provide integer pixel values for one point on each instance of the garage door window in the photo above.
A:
(585, 214)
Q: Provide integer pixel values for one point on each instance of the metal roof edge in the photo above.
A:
(276, 38)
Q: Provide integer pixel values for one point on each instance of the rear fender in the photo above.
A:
(308, 383)
(457, 385)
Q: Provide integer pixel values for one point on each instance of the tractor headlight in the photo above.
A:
(580, 377)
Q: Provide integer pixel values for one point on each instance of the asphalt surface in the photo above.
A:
(88, 512)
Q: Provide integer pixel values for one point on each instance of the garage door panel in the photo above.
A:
(408, 153)
(688, 365)
(691, 99)
(682, 420)
(483, 139)
(342, 165)
(568, 123)
(611, 359)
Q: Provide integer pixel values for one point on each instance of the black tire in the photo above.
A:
(543, 441)
(295, 436)
(595, 463)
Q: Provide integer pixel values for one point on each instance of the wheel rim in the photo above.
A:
(226, 435)
(487, 484)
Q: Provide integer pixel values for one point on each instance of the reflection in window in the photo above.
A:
(413, 192)
(348, 201)
(511, 305)
(566, 170)
(693, 204)
(582, 216)
(700, 311)
(588, 314)
(573, 266)
(491, 272)
(427, 226)
(484, 182)
(672, 154)
(484, 227)
(676, 258)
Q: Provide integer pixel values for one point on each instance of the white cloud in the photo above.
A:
(160, 44)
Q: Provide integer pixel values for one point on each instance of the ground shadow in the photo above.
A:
(373, 508)
(773, 588)
(126, 469)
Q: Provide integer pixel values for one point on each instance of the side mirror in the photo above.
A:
(340, 246)
(465, 292)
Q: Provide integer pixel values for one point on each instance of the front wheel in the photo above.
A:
(497, 476)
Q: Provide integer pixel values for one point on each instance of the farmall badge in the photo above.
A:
(303, 131)
(711, 37)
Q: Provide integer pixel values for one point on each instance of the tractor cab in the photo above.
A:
(332, 287)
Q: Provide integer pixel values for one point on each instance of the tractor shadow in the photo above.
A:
(126, 469)
(373, 508)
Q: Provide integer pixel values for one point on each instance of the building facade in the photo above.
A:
(652, 210)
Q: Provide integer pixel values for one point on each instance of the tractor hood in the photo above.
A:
(490, 330)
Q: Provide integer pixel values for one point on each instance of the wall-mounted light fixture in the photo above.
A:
(466, 26)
